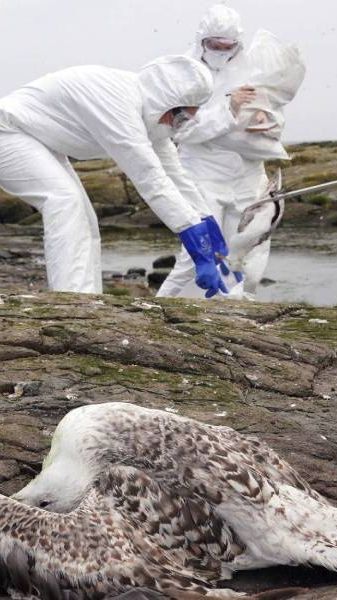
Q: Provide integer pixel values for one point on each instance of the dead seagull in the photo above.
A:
(257, 223)
(105, 547)
(212, 500)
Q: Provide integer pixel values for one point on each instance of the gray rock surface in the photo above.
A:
(264, 369)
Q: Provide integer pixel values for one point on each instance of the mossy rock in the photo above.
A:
(14, 210)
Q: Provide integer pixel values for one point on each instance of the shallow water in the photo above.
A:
(298, 275)
(122, 256)
(301, 277)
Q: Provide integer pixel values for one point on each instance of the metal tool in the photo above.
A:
(323, 187)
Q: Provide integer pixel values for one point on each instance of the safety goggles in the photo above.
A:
(181, 115)
(219, 44)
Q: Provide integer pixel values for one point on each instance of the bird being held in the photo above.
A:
(257, 223)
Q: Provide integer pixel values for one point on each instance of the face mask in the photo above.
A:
(183, 122)
(180, 118)
(217, 60)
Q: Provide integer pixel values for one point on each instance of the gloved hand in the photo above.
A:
(198, 244)
(220, 248)
(218, 242)
(226, 272)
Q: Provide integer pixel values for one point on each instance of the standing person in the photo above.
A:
(224, 152)
(92, 112)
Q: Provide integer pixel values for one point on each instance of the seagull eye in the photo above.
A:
(44, 503)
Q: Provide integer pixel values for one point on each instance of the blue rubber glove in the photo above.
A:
(226, 272)
(238, 276)
(198, 244)
(219, 245)
(220, 248)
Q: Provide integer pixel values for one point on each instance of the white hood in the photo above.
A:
(218, 21)
(170, 82)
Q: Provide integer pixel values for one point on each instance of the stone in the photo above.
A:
(8, 469)
(13, 210)
(164, 262)
(112, 275)
(135, 273)
(266, 281)
(4, 254)
(156, 278)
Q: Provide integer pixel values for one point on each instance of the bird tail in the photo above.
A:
(301, 529)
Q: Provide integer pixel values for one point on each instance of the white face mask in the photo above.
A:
(216, 59)
(182, 122)
(180, 119)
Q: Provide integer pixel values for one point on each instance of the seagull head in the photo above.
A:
(84, 443)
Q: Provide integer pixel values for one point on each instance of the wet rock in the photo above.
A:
(108, 275)
(266, 282)
(8, 352)
(104, 210)
(164, 262)
(4, 254)
(13, 210)
(156, 278)
(127, 287)
(144, 217)
(27, 388)
(8, 469)
(11, 486)
(135, 273)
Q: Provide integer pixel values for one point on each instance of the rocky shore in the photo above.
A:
(265, 369)
(270, 370)
(118, 205)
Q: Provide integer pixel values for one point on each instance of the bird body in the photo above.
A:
(257, 223)
(96, 550)
(186, 503)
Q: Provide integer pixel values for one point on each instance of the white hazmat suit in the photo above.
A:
(89, 112)
(223, 159)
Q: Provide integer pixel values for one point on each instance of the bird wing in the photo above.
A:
(166, 511)
(274, 186)
(257, 454)
(249, 215)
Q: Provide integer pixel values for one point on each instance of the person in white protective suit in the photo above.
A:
(237, 130)
(89, 112)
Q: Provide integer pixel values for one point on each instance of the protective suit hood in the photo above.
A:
(169, 82)
(218, 21)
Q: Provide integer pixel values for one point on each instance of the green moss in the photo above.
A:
(311, 326)
(12, 302)
(320, 200)
(303, 159)
(315, 179)
(273, 165)
(117, 291)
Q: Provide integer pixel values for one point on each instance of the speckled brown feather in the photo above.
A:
(192, 501)
(99, 549)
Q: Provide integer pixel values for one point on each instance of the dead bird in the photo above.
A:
(104, 548)
(211, 500)
(257, 223)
